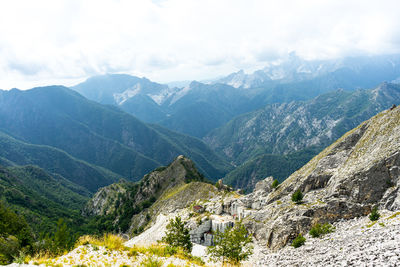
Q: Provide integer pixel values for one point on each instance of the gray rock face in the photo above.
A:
(103, 202)
(197, 233)
(357, 172)
(203, 233)
(289, 127)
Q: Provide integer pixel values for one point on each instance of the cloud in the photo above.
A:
(67, 40)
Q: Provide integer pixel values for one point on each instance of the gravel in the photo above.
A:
(356, 242)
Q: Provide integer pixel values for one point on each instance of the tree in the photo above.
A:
(177, 235)
(297, 197)
(233, 245)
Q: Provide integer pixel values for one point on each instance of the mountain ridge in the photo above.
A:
(101, 135)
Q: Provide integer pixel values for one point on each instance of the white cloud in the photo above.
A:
(63, 41)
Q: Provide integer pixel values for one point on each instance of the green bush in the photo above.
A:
(374, 215)
(319, 230)
(298, 241)
(275, 183)
(297, 197)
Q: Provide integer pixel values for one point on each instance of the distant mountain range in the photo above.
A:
(348, 73)
(198, 108)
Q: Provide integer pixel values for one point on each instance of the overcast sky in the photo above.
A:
(66, 41)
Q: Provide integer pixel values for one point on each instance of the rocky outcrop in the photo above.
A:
(103, 202)
(346, 180)
(165, 189)
(359, 171)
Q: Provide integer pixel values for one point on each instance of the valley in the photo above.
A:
(118, 156)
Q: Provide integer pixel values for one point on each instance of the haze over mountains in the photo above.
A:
(199, 108)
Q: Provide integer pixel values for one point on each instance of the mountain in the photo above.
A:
(138, 96)
(195, 109)
(260, 141)
(288, 127)
(348, 73)
(100, 135)
(130, 206)
(199, 108)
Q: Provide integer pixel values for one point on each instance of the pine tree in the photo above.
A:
(177, 235)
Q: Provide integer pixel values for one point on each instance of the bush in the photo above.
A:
(374, 215)
(275, 183)
(297, 197)
(113, 242)
(177, 235)
(319, 230)
(298, 241)
(232, 246)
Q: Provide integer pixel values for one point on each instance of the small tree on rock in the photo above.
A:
(177, 235)
(298, 241)
(297, 197)
(232, 245)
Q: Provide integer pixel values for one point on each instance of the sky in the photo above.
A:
(45, 42)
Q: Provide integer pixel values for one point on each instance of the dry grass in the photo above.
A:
(110, 241)
(161, 250)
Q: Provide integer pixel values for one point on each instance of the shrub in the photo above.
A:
(113, 242)
(232, 246)
(297, 197)
(298, 241)
(177, 235)
(374, 215)
(319, 230)
(275, 183)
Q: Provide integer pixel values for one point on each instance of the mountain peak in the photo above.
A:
(180, 171)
